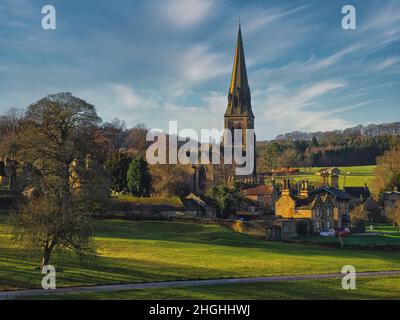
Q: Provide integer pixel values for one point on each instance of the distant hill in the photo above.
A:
(372, 130)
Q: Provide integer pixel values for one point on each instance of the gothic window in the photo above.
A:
(202, 178)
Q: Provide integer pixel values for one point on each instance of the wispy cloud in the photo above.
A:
(185, 13)
(288, 111)
(150, 61)
(388, 62)
(200, 63)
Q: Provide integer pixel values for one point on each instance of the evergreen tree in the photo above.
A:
(117, 165)
(139, 178)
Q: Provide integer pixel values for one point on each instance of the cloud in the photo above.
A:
(128, 98)
(287, 110)
(122, 101)
(388, 62)
(259, 19)
(186, 13)
(198, 63)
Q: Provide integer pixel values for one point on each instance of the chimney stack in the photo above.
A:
(304, 190)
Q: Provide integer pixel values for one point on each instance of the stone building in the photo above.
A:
(326, 207)
(329, 176)
(238, 115)
(264, 195)
(390, 201)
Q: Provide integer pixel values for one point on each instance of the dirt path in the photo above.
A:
(184, 283)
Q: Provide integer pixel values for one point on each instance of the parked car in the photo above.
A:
(327, 233)
(343, 232)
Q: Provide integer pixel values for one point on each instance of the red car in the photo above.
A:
(342, 233)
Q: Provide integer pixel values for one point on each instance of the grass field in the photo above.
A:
(350, 176)
(362, 240)
(366, 288)
(158, 251)
(380, 234)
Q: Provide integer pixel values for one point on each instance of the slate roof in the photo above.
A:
(191, 205)
(333, 191)
(305, 203)
(357, 192)
(260, 190)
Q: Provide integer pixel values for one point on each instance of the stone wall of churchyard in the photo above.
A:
(273, 229)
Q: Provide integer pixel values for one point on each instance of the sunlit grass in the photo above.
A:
(356, 176)
(157, 251)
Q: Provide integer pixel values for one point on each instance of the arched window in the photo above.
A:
(202, 178)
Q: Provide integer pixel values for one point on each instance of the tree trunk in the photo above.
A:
(46, 257)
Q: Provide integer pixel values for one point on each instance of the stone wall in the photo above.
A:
(272, 229)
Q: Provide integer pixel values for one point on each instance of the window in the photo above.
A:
(328, 224)
(317, 224)
(328, 212)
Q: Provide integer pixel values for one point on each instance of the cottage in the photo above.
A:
(390, 201)
(204, 205)
(264, 195)
(325, 208)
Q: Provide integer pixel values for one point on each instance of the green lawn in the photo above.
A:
(356, 176)
(366, 288)
(384, 229)
(158, 251)
(381, 234)
(384, 239)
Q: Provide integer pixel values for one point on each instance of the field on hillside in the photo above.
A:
(350, 176)
(158, 251)
(366, 288)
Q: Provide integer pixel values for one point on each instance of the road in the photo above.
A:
(4, 295)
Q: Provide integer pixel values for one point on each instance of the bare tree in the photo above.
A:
(56, 137)
(387, 172)
(10, 124)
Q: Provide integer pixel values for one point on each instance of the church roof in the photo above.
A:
(239, 72)
(239, 87)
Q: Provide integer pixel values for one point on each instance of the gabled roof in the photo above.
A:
(390, 194)
(260, 190)
(333, 191)
(357, 192)
(202, 200)
(191, 205)
(306, 203)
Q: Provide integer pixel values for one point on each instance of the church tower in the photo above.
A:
(239, 114)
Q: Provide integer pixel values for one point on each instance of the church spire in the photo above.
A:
(239, 99)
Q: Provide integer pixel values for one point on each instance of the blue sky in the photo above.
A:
(158, 60)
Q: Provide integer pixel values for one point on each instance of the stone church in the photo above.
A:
(238, 115)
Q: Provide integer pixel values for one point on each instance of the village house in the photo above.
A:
(390, 201)
(325, 208)
(264, 195)
(204, 205)
(329, 176)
